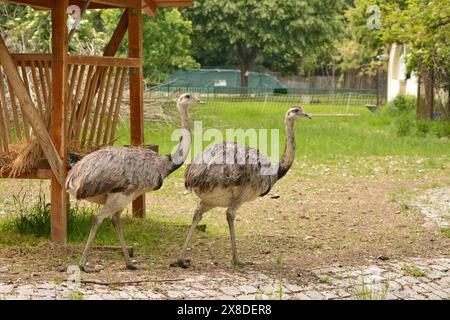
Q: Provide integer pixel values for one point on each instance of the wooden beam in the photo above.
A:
(104, 61)
(37, 4)
(118, 35)
(150, 7)
(33, 117)
(40, 174)
(136, 93)
(59, 114)
(96, 4)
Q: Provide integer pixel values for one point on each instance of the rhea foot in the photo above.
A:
(181, 263)
(88, 269)
(240, 264)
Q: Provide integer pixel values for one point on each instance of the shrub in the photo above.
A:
(423, 128)
(35, 219)
(401, 104)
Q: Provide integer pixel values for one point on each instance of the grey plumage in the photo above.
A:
(228, 175)
(115, 176)
(209, 170)
(116, 169)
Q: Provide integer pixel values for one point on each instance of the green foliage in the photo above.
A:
(34, 219)
(277, 33)
(423, 25)
(166, 38)
(401, 104)
(402, 113)
(167, 45)
(412, 270)
(25, 29)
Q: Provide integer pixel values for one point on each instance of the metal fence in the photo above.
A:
(338, 97)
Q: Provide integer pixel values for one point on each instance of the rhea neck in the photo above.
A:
(289, 153)
(180, 155)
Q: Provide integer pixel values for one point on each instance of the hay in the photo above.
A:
(26, 160)
(23, 158)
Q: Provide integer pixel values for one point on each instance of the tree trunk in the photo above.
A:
(425, 96)
(246, 57)
(244, 76)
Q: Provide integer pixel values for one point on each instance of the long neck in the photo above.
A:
(289, 153)
(180, 155)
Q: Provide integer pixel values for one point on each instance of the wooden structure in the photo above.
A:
(59, 98)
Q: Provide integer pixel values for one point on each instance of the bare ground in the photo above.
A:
(303, 224)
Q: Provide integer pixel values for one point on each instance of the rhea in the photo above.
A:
(228, 175)
(115, 176)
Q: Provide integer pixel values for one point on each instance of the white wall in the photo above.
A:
(397, 82)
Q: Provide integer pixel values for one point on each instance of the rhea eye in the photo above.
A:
(188, 96)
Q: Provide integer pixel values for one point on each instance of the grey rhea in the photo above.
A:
(115, 176)
(219, 182)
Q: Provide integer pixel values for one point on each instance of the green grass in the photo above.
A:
(321, 140)
(413, 271)
(30, 225)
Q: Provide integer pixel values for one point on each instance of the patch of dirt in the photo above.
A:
(301, 225)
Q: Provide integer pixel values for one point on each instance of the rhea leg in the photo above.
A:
(231, 214)
(117, 226)
(198, 215)
(114, 203)
(96, 222)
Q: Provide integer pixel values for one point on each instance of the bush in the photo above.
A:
(401, 105)
(403, 126)
(423, 128)
(35, 219)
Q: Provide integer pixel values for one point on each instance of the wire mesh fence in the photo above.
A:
(337, 97)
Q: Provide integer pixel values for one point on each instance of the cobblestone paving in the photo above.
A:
(411, 279)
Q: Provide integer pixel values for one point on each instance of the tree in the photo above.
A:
(424, 26)
(166, 38)
(279, 33)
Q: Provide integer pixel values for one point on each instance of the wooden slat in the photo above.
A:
(12, 97)
(74, 103)
(87, 112)
(36, 89)
(118, 104)
(3, 129)
(43, 86)
(26, 127)
(30, 111)
(6, 118)
(82, 106)
(98, 106)
(73, 73)
(104, 106)
(48, 78)
(114, 94)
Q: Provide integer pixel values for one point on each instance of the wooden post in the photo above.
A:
(58, 127)
(136, 92)
(31, 113)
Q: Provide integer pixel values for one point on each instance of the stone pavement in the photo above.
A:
(410, 279)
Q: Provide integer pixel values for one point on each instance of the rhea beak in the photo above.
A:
(306, 116)
(200, 102)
